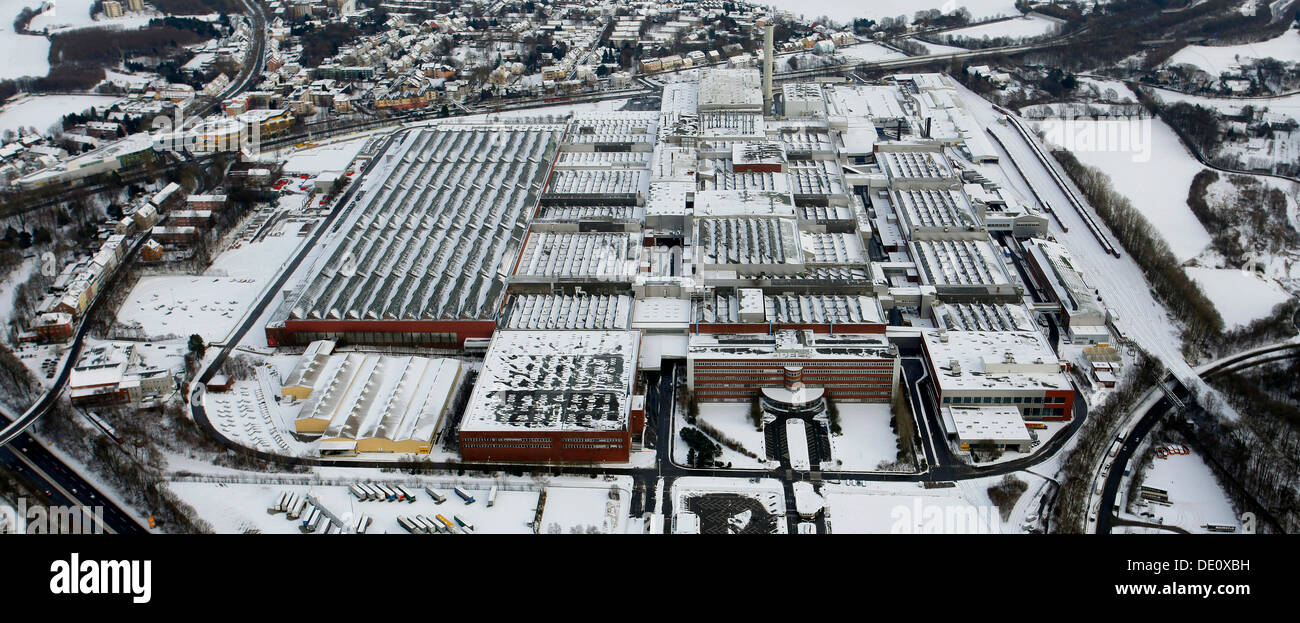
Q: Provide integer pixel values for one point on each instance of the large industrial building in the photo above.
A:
(998, 368)
(553, 396)
(421, 258)
(367, 402)
(776, 255)
(738, 367)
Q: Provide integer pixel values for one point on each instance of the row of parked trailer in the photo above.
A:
(384, 493)
(364, 491)
(419, 524)
(310, 517)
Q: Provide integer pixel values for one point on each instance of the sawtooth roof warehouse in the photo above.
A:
(778, 256)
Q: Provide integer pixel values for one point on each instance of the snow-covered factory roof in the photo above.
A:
(877, 103)
(814, 177)
(832, 248)
(719, 174)
(803, 138)
(794, 309)
(933, 209)
(997, 424)
(982, 317)
(993, 360)
(722, 124)
(603, 160)
(427, 237)
(554, 381)
(1066, 282)
(310, 365)
(599, 182)
(371, 396)
(613, 128)
(569, 214)
(680, 97)
(722, 203)
(959, 263)
(789, 344)
(586, 256)
(668, 198)
(915, 166)
(731, 89)
(757, 153)
(568, 312)
(767, 242)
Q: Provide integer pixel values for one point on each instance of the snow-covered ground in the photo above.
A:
(183, 305)
(732, 420)
(240, 507)
(867, 440)
(906, 508)
(937, 48)
(868, 52)
(1018, 28)
(1111, 90)
(1253, 152)
(845, 12)
(74, 14)
(211, 304)
(1215, 60)
(9, 287)
(1240, 296)
(24, 55)
(43, 111)
(909, 508)
(586, 510)
(1195, 498)
(1148, 164)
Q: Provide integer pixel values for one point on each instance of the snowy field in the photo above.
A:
(867, 440)
(1288, 105)
(1146, 163)
(587, 510)
(24, 55)
(845, 12)
(182, 305)
(1018, 28)
(880, 508)
(1240, 296)
(240, 507)
(210, 304)
(1215, 60)
(1194, 495)
(43, 111)
(732, 420)
(909, 508)
(74, 14)
(936, 48)
(868, 52)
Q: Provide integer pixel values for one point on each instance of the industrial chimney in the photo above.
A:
(767, 68)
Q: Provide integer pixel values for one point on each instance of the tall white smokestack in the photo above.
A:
(767, 68)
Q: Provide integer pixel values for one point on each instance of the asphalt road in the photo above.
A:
(30, 461)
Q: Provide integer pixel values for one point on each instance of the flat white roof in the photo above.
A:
(554, 381)
(997, 424)
(993, 360)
